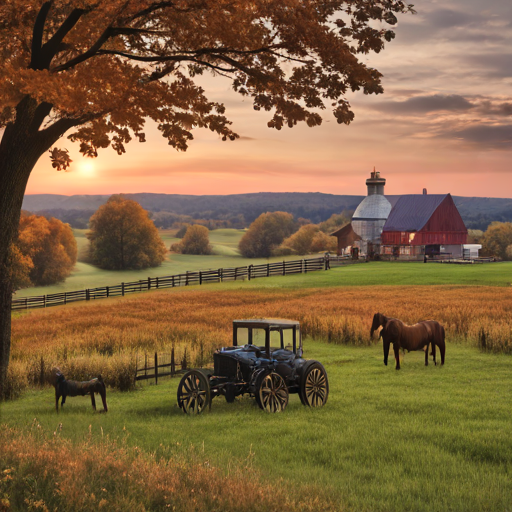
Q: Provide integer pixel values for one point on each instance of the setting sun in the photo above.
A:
(86, 167)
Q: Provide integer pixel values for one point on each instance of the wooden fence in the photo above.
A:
(281, 268)
(159, 366)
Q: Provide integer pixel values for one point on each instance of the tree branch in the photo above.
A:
(37, 35)
(54, 44)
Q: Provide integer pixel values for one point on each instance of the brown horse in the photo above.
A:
(64, 388)
(409, 337)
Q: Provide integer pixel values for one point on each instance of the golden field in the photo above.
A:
(105, 338)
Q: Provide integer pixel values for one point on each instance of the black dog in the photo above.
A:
(64, 388)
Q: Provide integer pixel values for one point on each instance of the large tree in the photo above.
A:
(99, 68)
(122, 236)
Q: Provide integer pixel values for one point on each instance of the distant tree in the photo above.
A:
(497, 238)
(45, 247)
(266, 233)
(195, 241)
(336, 221)
(122, 236)
(181, 232)
(309, 239)
(322, 242)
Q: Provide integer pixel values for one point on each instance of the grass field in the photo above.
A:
(422, 439)
(225, 255)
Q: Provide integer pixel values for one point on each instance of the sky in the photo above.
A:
(444, 123)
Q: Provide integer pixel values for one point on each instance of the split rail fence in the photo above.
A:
(281, 268)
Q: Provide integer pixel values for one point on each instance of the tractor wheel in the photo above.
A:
(314, 385)
(194, 392)
(272, 393)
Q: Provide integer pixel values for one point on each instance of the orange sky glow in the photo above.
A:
(443, 123)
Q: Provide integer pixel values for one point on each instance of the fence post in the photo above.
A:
(26, 302)
(156, 368)
(200, 277)
(173, 363)
(186, 278)
(268, 269)
(122, 289)
(221, 274)
(149, 283)
(235, 273)
(284, 268)
(65, 298)
(44, 300)
(249, 272)
(157, 282)
(87, 294)
(326, 260)
(172, 281)
(108, 292)
(304, 268)
(145, 365)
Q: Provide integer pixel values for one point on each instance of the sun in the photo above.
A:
(86, 167)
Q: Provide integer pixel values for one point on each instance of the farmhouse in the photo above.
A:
(412, 226)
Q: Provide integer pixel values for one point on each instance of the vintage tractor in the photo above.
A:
(265, 361)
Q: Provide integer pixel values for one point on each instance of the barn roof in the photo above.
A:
(411, 212)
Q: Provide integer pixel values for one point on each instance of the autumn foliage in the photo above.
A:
(45, 252)
(122, 236)
(196, 240)
(266, 233)
(309, 239)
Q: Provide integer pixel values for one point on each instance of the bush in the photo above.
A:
(195, 241)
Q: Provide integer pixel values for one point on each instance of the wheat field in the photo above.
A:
(105, 338)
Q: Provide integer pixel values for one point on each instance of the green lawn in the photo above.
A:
(421, 439)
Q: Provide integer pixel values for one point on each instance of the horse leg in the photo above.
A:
(57, 398)
(396, 349)
(103, 395)
(63, 401)
(93, 400)
(426, 355)
(433, 343)
(442, 345)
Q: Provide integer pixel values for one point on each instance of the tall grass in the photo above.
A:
(85, 340)
(41, 471)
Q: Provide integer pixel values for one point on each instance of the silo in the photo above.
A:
(371, 215)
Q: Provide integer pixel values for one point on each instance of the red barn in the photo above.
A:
(424, 225)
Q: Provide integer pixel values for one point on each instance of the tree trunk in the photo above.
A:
(20, 148)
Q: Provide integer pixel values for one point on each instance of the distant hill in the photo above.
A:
(477, 212)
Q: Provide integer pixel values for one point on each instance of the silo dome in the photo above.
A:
(370, 217)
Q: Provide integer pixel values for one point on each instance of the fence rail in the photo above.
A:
(200, 277)
(159, 366)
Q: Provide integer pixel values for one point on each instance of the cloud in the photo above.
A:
(425, 104)
(485, 136)
(492, 64)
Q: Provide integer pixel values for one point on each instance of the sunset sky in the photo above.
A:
(444, 122)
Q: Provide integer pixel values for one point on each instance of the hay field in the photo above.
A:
(105, 337)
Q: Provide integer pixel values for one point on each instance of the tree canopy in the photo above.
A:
(45, 252)
(97, 69)
(122, 236)
(309, 239)
(196, 240)
(497, 239)
(266, 233)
